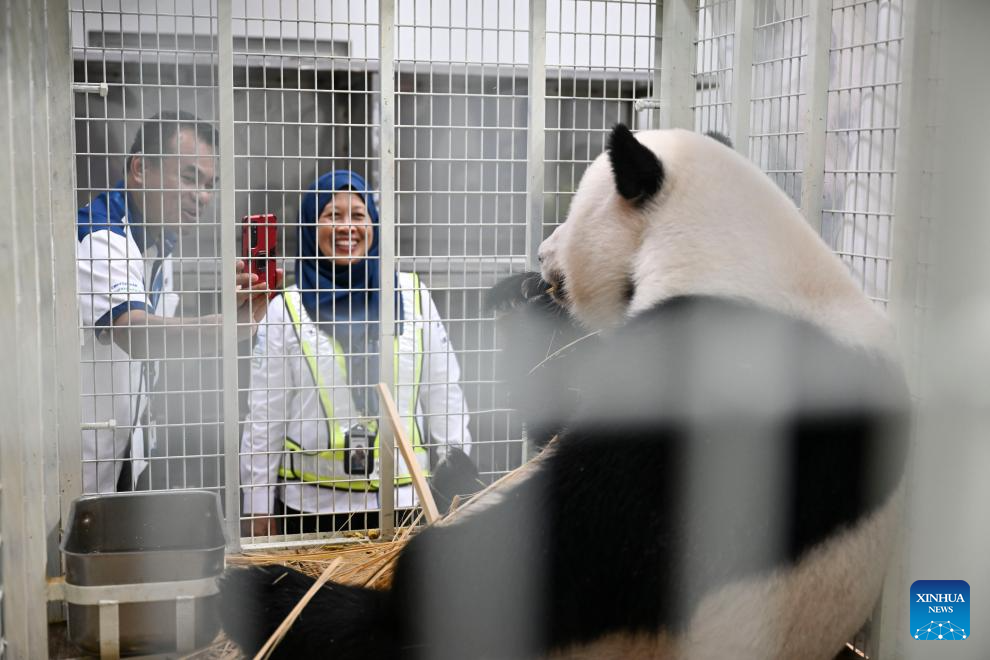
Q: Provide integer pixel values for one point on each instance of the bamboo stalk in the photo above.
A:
(283, 628)
(415, 471)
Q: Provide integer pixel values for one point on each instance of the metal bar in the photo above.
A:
(742, 77)
(95, 426)
(677, 85)
(145, 592)
(185, 624)
(228, 257)
(22, 240)
(657, 64)
(386, 315)
(56, 179)
(535, 171)
(100, 88)
(109, 630)
(909, 165)
(912, 145)
(815, 108)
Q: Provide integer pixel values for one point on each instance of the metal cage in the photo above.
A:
(472, 123)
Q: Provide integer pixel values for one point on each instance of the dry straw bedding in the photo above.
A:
(368, 564)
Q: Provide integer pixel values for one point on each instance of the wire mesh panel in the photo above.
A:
(861, 137)
(307, 131)
(460, 193)
(863, 74)
(600, 60)
(713, 72)
(778, 94)
(310, 135)
(147, 227)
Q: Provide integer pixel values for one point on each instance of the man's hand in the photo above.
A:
(261, 526)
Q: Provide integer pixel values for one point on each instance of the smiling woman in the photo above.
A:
(345, 232)
(309, 453)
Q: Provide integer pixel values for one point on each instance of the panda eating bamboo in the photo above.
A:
(727, 482)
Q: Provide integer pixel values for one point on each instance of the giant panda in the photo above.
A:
(727, 485)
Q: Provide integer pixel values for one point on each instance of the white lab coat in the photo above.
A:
(284, 402)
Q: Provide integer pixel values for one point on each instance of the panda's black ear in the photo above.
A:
(720, 137)
(637, 171)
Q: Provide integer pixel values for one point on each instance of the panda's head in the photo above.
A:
(670, 213)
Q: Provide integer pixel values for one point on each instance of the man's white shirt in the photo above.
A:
(114, 276)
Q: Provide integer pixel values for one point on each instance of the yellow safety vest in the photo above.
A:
(325, 467)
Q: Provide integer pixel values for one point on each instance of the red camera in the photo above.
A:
(259, 240)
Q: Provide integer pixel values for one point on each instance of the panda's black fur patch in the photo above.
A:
(455, 476)
(339, 622)
(720, 137)
(637, 171)
(541, 349)
(608, 536)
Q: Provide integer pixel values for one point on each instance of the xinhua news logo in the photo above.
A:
(940, 610)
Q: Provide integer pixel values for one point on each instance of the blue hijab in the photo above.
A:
(343, 300)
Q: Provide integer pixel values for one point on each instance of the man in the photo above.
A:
(124, 271)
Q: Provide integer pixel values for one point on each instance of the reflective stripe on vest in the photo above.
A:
(322, 463)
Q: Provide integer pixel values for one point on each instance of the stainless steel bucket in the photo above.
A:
(128, 545)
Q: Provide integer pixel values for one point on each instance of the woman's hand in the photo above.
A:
(253, 295)
(261, 526)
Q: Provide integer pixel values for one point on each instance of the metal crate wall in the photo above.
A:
(475, 188)
(809, 89)
(306, 83)
(861, 138)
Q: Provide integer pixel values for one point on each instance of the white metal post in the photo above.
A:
(25, 232)
(228, 258)
(678, 54)
(817, 43)
(535, 135)
(742, 76)
(912, 146)
(46, 291)
(535, 141)
(657, 82)
(913, 120)
(56, 178)
(386, 249)
(62, 173)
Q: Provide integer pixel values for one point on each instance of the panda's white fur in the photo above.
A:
(718, 226)
(561, 562)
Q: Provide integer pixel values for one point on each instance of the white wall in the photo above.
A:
(488, 31)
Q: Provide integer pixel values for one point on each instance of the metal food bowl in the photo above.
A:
(141, 571)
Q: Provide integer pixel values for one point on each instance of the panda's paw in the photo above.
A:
(455, 476)
(515, 291)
